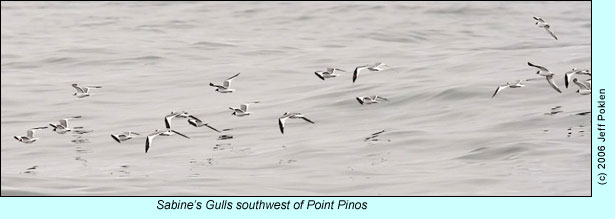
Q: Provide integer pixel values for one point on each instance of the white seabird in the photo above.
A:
(584, 89)
(287, 115)
(167, 132)
(83, 91)
(225, 87)
(196, 122)
(63, 126)
(548, 74)
(330, 73)
(541, 23)
(373, 67)
(370, 99)
(568, 75)
(29, 138)
(124, 136)
(242, 110)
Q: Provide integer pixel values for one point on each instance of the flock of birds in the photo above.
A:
(243, 110)
(584, 86)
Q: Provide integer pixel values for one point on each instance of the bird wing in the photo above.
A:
(216, 85)
(539, 19)
(306, 119)
(212, 128)
(116, 138)
(79, 89)
(231, 78)
(567, 77)
(244, 107)
(498, 90)
(227, 82)
(538, 66)
(319, 75)
(356, 73)
(167, 121)
(30, 133)
(382, 98)
(176, 132)
(550, 32)
(64, 122)
(148, 141)
(552, 83)
(360, 99)
(281, 123)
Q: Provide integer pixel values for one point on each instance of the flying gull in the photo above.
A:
(167, 132)
(242, 110)
(29, 138)
(541, 23)
(373, 67)
(125, 136)
(330, 73)
(584, 89)
(225, 87)
(83, 91)
(542, 71)
(288, 115)
(63, 126)
(371, 99)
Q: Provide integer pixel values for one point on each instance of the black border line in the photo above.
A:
(591, 190)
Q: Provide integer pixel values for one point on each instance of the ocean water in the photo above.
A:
(443, 133)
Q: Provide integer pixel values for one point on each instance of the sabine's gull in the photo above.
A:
(373, 67)
(330, 73)
(548, 74)
(288, 115)
(541, 23)
(584, 89)
(63, 126)
(167, 132)
(29, 138)
(371, 99)
(124, 136)
(83, 91)
(225, 87)
(242, 110)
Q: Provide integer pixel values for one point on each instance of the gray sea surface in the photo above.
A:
(444, 134)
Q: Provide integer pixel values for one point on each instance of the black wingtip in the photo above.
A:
(116, 139)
